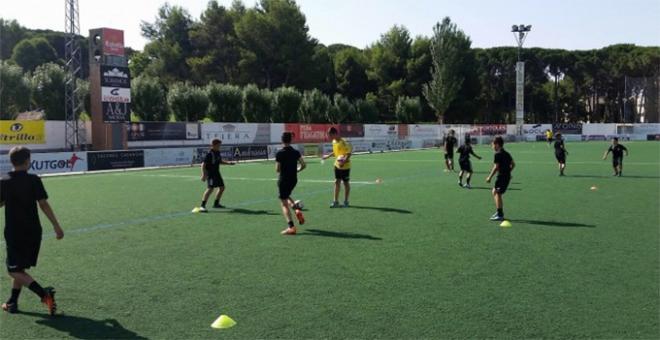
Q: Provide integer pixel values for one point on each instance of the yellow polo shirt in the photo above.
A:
(340, 147)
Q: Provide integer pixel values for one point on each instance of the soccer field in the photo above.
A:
(414, 257)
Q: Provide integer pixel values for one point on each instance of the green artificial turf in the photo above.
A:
(415, 257)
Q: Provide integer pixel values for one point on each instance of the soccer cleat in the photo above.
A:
(460, 184)
(346, 205)
(497, 218)
(289, 231)
(10, 307)
(49, 300)
(467, 186)
(203, 210)
(300, 216)
(334, 204)
(218, 206)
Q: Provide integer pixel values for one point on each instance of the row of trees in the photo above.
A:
(269, 46)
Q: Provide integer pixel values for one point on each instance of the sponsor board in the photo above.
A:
(308, 133)
(567, 128)
(113, 42)
(149, 131)
(646, 129)
(22, 132)
(424, 131)
(236, 133)
(653, 137)
(115, 76)
(536, 129)
(107, 160)
(115, 94)
(488, 130)
(170, 156)
(380, 131)
(235, 153)
(116, 112)
(310, 149)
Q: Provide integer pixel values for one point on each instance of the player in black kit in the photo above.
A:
(464, 152)
(287, 166)
(560, 153)
(503, 166)
(211, 175)
(450, 144)
(617, 155)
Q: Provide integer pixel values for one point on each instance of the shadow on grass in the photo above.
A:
(337, 234)
(555, 224)
(84, 328)
(489, 188)
(383, 209)
(611, 176)
(242, 211)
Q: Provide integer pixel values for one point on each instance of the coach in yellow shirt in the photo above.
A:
(341, 150)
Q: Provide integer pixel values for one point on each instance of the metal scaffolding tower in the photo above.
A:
(75, 133)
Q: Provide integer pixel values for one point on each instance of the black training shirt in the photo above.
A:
(20, 193)
(212, 163)
(559, 147)
(464, 151)
(288, 158)
(617, 151)
(450, 142)
(503, 160)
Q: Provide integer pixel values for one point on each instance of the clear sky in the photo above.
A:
(576, 24)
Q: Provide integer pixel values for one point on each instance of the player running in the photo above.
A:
(211, 175)
(287, 166)
(560, 153)
(464, 152)
(450, 144)
(21, 193)
(548, 136)
(503, 166)
(617, 155)
(341, 149)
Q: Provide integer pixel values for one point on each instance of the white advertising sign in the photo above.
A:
(170, 156)
(50, 163)
(115, 95)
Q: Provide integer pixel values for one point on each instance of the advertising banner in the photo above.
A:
(50, 163)
(308, 133)
(115, 76)
(349, 130)
(240, 153)
(113, 42)
(236, 133)
(115, 112)
(107, 160)
(116, 94)
(380, 131)
(310, 150)
(162, 131)
(536, 129)
(171, 156)
(22, 132)
(567, 128)
(418, 131)
(488, 130)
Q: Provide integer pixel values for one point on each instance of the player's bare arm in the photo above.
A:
(204, 174)
(332, 154)
(606, 154)
(493, 171)
(48, 211)
(278, 167)
(302, 163)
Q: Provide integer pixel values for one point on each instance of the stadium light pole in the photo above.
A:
(520, 32)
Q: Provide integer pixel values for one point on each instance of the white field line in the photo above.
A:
(254, 179)
(606, 162)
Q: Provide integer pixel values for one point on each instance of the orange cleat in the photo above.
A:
(300, 216)
(289, 231)
(49, 300)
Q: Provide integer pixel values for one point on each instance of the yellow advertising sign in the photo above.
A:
(22, 132)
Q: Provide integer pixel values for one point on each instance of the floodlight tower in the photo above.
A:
(75, 133)
(520, 32)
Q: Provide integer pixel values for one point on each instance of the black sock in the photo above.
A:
(500, 212)
(468, 180)
(37, 289)
(291, 224)
(216, 202)
(203, 204)
(14, 295)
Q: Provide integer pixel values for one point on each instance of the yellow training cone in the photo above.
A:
(594, 188)
(505, 224)
(223, 322)
(195, 210)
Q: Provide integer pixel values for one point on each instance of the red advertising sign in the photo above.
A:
(113, 42)
(318, 133)
(488, 130)
(351, 130)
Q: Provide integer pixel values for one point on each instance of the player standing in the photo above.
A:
(287, 166)
(617, 155)
(450, 144)
(503, 166)
(211, 175)
(560, 153)
(464, 152)
(341, 150)
(20, 193)
(548, 136)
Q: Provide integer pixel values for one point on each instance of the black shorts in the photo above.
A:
(561, 157)
(502, 184)
(465, 165)
(215, 182)
(549, 140)
(449, 155)
(22, 255)
(343, 175)
(616, 161)
(286, 188)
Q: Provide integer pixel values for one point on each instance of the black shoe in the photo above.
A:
(49, 300)
(10, 307)
(218, 206)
